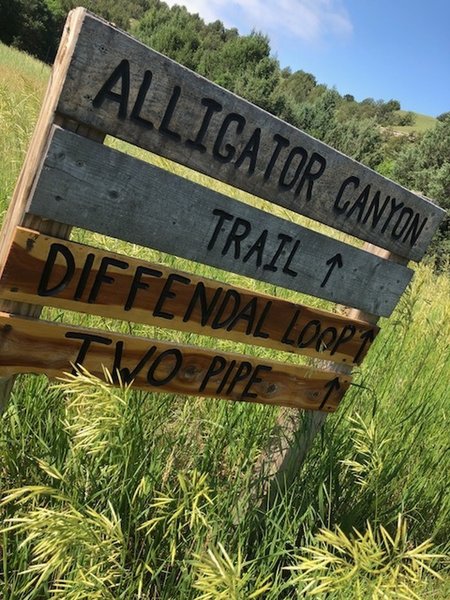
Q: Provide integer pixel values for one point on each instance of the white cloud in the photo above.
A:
(307, 20)
(209, 10)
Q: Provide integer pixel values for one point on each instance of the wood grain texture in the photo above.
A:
(15, 214)
(45, 270)
(103, 190)
(31, 346)
(16, 211)
(121, 87)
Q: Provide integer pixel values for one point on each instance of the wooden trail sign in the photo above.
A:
(104, 82)
(103, 190)
(30, 346)
(121, 87)
(67, 275)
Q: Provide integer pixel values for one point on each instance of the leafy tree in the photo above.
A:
(358, 138)
(443, 116)
(120, 13)
(30, 26)
(173, 32)
(425, 167)
(298, 85)
(407, 118)
(319, 119)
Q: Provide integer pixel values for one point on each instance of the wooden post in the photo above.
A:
(294, 436)
(16, 213)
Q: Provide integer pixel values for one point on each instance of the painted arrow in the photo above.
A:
(332, 385)
(334, 261)
(367, 336)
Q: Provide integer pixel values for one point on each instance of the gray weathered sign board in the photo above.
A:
(121, 87)
(100, 189)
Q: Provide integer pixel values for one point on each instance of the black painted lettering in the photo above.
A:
(284, 239)
(310, 175)
(88, 339)
(347, 333)
(235, 298)
(400, 226)
(223, 216)
(206, 309)
(253, 380)
(250, 151)
(259, 325)
(337, 207)
(286, 268)
(55, 250)
(242, 372)
(394, 208)
(142, 94)
(257, 248)
(360, 204)
(122, 73)
(230, 150)
(297, 151)
(323, 343)
(366, 337)
(226, 377)
(168, 293)
(126, 376)
(101, 276)
(315, 326)
(285, 339)
(235, 236)
(281, 142)
(82, 282)
(173, 354)
(248, 314)
(211, 107)
(415, 230)
(164, 127)
(138, 284)
(374, 207)
(218, 364)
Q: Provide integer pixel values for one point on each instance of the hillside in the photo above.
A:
(119, 494)
(421, 124)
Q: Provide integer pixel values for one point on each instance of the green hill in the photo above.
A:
(421, 124)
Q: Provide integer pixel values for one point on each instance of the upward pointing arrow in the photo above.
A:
(334, 261)
(330, 386)
(367, 337)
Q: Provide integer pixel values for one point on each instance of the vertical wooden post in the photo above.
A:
(296, 431)
(16, 214)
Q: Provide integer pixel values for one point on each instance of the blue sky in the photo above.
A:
(369, 48)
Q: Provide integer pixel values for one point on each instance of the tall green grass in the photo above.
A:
(110, 493)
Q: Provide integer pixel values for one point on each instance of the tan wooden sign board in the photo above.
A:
(121, 87)
(30, 346)
(103, 190)
(67, 275)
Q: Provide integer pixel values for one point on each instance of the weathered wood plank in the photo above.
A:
(103, 190)
(30, 346)
(16, 212)
(45, 270)
(124, 88)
